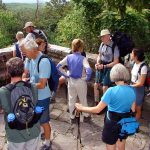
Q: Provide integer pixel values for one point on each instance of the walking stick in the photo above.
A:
(78, 133)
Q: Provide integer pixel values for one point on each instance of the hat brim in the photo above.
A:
(28, 26)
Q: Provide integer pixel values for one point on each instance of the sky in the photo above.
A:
(23, 1)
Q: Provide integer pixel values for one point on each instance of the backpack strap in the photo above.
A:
(43, 56)
(11, 86)
(139, 71)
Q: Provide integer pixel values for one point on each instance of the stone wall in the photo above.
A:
(57, 53)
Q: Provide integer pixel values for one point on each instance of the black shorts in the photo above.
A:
(111, 130)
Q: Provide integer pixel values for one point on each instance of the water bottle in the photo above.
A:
(11, 117)
(11, 120)
(38, 110)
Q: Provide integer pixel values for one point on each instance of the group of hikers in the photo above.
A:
(29, 81)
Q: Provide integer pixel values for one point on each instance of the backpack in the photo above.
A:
(22, 106)
(128, 126)
(124, 43)
(53, 80)
(39, 34)
(147, 80)
(18, 53)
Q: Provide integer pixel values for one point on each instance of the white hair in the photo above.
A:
(29, 44)
(119, 73)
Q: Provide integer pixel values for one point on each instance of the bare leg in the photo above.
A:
(110, 147)
(47, 130)
(121, 144)
(96, 92)
(138, 112)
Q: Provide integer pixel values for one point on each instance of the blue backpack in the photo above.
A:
(53, 80)
(128, 126)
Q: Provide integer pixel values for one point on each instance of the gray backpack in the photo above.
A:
(22, 105)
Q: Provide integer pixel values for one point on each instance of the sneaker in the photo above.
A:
(45, 147)
(87, 119)
(73, 121)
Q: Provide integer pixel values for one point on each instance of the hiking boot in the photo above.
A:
(73, 121)
(45, 147)
(87, 119)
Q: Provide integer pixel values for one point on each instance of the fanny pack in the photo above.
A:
(125, 122)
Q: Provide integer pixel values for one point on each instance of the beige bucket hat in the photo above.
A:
(29, 24)
(104, 32)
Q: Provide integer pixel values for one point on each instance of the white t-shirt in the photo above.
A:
(135, 76)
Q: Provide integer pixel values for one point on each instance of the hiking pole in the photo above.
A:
(78, 133)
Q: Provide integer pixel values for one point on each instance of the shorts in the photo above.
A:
(111, 130)
(103, 76)
(45, 118)
(139, 95)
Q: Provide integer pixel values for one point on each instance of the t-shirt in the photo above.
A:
(13, 135)
(35, 76)
(119, 98)
(135, 75)
(106, 52)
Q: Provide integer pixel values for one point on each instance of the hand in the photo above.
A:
(78, 106)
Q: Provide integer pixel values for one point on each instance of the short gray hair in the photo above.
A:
(119, 73)
(29, 44)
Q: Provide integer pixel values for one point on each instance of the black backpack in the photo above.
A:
(22, 105)
(39, 34)
(124, 42)
(53, 80)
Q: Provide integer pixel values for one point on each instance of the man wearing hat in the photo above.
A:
(107, 58)
(36, 34)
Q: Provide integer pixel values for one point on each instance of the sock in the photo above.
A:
(46, 142)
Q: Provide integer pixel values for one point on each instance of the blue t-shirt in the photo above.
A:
(44, 72)
(119, 98)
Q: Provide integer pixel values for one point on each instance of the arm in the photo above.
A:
(141, 81)
(44, 73)
(133, 107)
(60, 66)
(116, 61)
(95, 109)
(88, 69)
(42, 83)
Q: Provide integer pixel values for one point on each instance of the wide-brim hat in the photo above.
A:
(29, 24)
(104, 32)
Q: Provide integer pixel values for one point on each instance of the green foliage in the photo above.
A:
(8, 28)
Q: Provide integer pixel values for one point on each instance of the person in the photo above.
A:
(17, 52)
(106, 59)
(118, 105)
(78, 73)
(18, 139)
(30, 48)
(62, 79)
(138, 78)
(35, 34)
